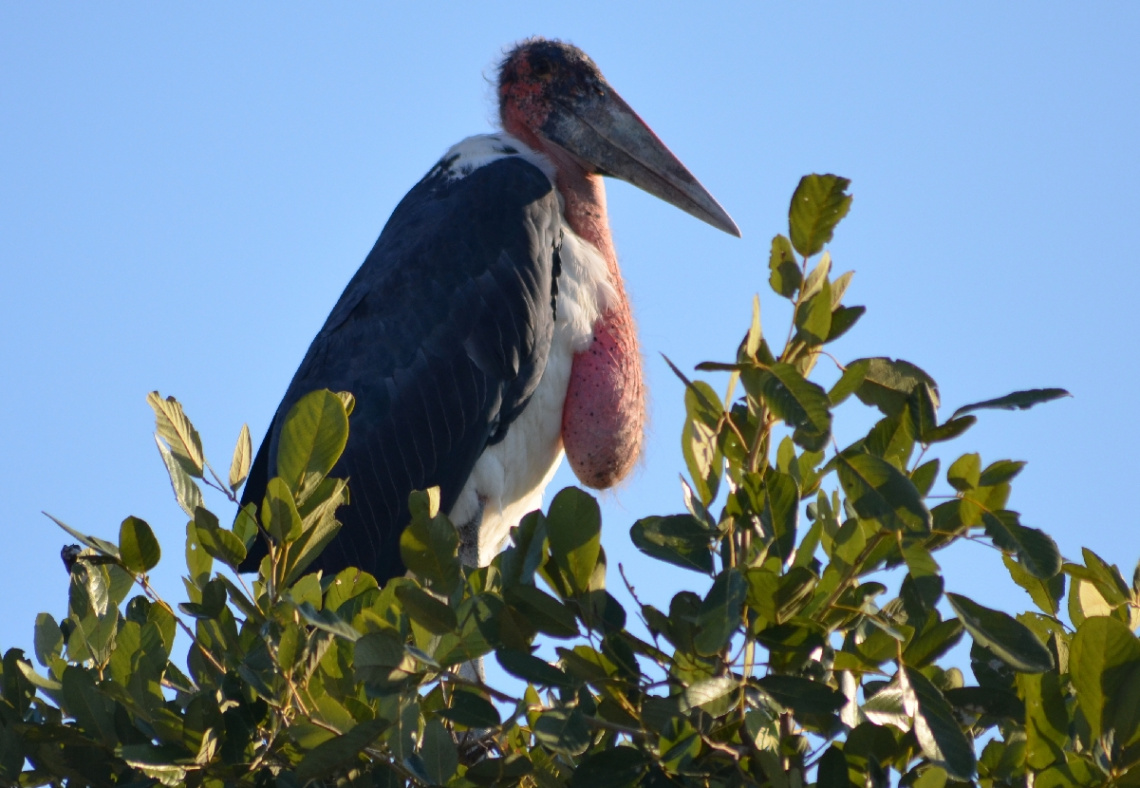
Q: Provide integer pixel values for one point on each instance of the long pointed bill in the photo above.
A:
(603, 130)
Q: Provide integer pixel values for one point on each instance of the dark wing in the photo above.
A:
(442, 337)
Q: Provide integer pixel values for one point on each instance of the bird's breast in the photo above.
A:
(509, 478)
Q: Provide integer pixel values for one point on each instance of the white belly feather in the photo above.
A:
(509, 478)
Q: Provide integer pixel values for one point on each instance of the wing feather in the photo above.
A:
(442, 337)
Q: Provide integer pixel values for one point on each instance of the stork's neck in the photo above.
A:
(584, 196)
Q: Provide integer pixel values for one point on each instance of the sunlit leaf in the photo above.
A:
(175, 428)
(678, 539)
(279, 513)
(1036, 551)
(1002, 634)
(888, 383)
(138, 547)
(802, 695)
(429, 547)
(818, 204)
(574, 528)
(882, 493)
(935, 727)
(312, 439)
(1104, 662)
(785, 277)
(186, 492)
(239, 465)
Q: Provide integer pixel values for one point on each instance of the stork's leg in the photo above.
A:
(469, 535)
(469, 555)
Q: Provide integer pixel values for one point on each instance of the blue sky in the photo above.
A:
(185, 190)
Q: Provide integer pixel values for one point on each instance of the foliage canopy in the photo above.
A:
(792, 665)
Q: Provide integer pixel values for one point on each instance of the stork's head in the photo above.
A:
(552, 94)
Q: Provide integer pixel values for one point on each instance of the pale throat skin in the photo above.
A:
(603, 419)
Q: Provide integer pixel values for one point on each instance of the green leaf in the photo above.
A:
(381, 658)
(175, 428)
(833, 769)
(563, 731)
(779, 515)
(786, 277)
(279, 513)
(720, 613)
(470, 710)
(802, 695)
(1046, 593)
(881, 493)
(213, 602)
(328, 621)
(199, 563)
(813, 318)
(91, 710)
(948, 431)
(818, 204)
(138, 547)
(531, 668)
(755, 336)
(678, 539)
(616, 767)
(426, 610)
(888, 383)
(1046, 718)
(699, 444)
(1036, 551)
(48, 639)
(319, 525)
(574, 528)
(839, 288)
(546, 613)
(707, 692)
(438, 753)
(1000, 472)
(849, 382)
(935, 726)
(842, 319)
(218, 542)
(93, 542)
(965, 473)
(892, 438)
(339, 751)
(239, 465)
(1104, 663)
(799, 402)
(312, 439)
(519, 562)
(1009, 639)
(924, 476)
(817, 277)
(934, 642)
(186, 492)
(500, 771)
(1018, 400)
(429, 547)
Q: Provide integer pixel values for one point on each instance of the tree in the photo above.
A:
(796, 666)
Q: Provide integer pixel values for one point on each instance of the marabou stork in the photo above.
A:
(488, 331)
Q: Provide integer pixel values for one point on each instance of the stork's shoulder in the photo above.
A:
(473, 153)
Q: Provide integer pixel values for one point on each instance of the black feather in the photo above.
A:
(442, 337)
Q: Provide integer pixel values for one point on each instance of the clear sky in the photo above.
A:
(185, 190)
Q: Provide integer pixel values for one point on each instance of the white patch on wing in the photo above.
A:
(509, 478)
